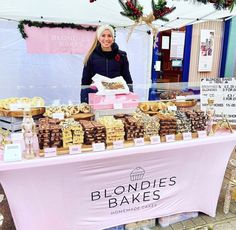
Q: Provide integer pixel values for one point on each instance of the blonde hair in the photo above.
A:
(99, 32)
(92, 48)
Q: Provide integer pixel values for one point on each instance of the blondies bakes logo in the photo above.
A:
(136, 192)
(137, 174)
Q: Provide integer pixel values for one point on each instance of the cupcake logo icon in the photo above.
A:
(137, 174)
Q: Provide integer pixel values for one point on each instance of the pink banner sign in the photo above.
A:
(58, 40)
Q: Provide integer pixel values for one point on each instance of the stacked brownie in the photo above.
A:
(197, 119)
(49, 133)
(168, 124)
(94, 132)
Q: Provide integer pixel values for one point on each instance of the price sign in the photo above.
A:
(202, 134)
(170, 138)
(223, 92)
(155, 139)
(74, 149)
(187, 136)
(118, 144)
(98, 147)
(14, 107)
(16, 136)
(12, 152)
(138, 141)
(117, 106)
(172, 108)
(50, 152)
(59, 116)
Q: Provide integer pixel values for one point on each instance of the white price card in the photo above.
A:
(98, 147)
(138, 141)
(14, 107)
(155, 139)
(202, 134)
(12, 152)
(117, 106)
(187, 136)
(170, 138)
(16, 136)
(180, 98)
(74, 149)
(50, 152)
(59, 116)
(172, 108)
(118, 144)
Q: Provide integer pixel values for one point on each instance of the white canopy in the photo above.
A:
(106, 11)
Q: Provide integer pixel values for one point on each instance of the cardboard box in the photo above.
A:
(120, 227)
(101, 102)
(110, 99)
(167, 220)
(141, 225)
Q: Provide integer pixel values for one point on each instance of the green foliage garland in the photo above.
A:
(160, 10)
(51, 25)
(220, 4)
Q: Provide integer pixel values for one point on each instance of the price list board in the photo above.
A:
(223, 91)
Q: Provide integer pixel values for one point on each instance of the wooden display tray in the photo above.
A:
(185, 104)
(20, 113)
(82, 116)
(127, 144)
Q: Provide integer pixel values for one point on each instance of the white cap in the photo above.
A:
(102, 28)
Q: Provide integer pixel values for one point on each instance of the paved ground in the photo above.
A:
(204, 222)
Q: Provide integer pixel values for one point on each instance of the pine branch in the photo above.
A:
(123, 5)
(153, 5)
(126, 14)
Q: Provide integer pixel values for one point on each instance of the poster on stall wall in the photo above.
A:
(206, 50)
(223, 92)
(177, 45)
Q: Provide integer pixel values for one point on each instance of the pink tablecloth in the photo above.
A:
(99, 190)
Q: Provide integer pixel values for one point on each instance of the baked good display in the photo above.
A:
(72, 132)
(49, 133)
(171, 94)
(197, 119)
(132, 128)
(183, 122)
(112, 85)
(114, 128)
(168, 124)
(22, 102)
(68, 110)
(94, 132)
(150, 124)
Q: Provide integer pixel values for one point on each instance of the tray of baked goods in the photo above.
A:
(173, 95)
(186, 103)
(77, 112)
(14, 107)
(120, 127)
(152, 107)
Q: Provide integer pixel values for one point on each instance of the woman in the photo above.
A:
(104, 58)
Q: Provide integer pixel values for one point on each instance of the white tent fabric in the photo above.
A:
(104, 11)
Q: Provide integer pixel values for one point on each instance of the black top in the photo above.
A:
(110, 64)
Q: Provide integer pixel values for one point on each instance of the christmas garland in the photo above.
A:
(220, 4)
(160, 10)
(51, 25)
(134, 11)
